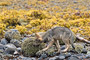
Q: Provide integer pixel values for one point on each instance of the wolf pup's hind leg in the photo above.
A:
(67, 44)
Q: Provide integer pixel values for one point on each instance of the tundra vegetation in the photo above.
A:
(40, 15)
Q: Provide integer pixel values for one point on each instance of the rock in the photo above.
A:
(33, 58)
(84, 51)
(81, 57)
(30, 46)
(88, 52)
(61, 56)
(73, 58)
(12, 34)
(8, 56)
(44, 56)
(26, 58)
(15, 42)
(19, 50)
(2, 48)
(67, 55)
(87, 56)
(10, 48)
(63, 47)
(4, 41)
(75, 2)
(54, 58)
(1, 57)
(78, 47)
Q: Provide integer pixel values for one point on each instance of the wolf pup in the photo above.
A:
(54, 35)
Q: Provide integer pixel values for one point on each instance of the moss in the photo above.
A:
(38, 14)
(4, 3)
(30, 46)
(21, 29)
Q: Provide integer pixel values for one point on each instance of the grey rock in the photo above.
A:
(61, 57)
(87, 56)
(67, 55)
(4, 41)
(1, 57)
(54, 58)
(73, 58)
(15, 42)
(44, 56)
(12, 34)
(75, 2)
(33, 58)
(10, 48)
(84, 51)
(19, 50)
(2, 48)
(26, 58)
(81, 57)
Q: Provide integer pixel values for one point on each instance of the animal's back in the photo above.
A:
(64, 34)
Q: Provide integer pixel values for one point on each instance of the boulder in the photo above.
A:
(12, 34)
(10, 49)
(30, 46)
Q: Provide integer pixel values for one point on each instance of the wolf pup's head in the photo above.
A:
(38, 37)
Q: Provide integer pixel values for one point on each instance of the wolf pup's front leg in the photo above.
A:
(43, 50)
(58, 46)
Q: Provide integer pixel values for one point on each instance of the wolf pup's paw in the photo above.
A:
(39, 52)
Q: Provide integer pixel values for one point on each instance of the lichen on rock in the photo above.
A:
(12, 34)
(30, 46)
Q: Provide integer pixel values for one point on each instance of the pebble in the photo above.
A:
(54, 58)
(84, 51)
(73, 58)
(4, 41)
(44, 56)
(15, 42)
(87, 56)
(67, 55)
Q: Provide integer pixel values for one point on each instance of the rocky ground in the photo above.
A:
(11, 49)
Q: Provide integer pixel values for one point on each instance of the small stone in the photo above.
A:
(75, 2)
(44, 56)
(12, 34)
(26, 58)
(2, 46)
(88, 52)
(61, 57)
(87, 56)
(19, 50)
(33, 58)
(15, 42)
(73, 58)
(4, 41)
(84, 51)
(54, 58)
(63, 47)
(67, 55)
(10, 48)
(81, 57)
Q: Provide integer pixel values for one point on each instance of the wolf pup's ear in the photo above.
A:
(38, 36)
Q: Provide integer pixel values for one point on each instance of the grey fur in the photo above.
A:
(58, 33)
